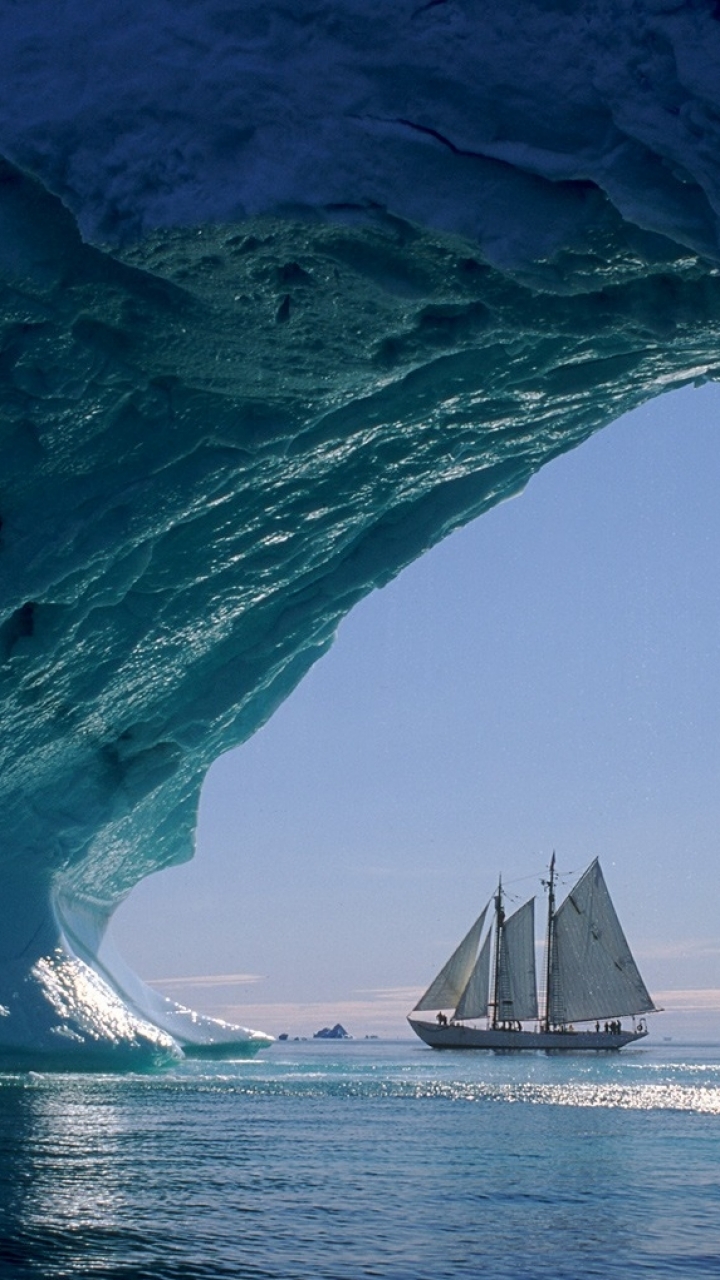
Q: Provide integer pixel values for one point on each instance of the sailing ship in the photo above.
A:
(590, 977)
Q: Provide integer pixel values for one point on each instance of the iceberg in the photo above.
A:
(289, 294)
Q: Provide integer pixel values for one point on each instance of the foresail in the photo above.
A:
(446, 990)
(474, 999)
(593, 971)
(517, 987)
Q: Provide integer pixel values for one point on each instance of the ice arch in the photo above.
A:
(288, 293)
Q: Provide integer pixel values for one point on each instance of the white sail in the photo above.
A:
(474, 999)
(446, 990)
(517, 988)
(593, 974)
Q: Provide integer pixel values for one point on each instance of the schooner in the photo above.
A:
(590, 977)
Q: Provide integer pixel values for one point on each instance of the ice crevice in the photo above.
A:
(285, 300)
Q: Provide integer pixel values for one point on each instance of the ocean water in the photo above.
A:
(368, 1159)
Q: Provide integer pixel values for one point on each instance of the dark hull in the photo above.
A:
(458, 1036)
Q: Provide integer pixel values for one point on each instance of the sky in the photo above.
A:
(548, 678)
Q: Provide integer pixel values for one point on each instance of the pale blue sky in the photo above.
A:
(549, 677)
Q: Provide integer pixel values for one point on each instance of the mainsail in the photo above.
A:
(516, 997)
(474, 999)
(592, 971)
(448, 987)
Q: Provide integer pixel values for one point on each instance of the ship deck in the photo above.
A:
(459, 1036)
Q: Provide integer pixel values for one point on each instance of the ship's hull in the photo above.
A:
(459, 1036)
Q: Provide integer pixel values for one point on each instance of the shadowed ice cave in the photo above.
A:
(285, 300)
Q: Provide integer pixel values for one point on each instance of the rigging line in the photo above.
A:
(523, 879)
(537, 875)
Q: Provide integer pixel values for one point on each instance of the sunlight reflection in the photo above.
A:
(74, 1186)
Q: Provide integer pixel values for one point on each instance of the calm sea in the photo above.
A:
(368, 1159)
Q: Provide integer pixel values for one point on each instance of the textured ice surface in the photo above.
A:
(348, 275)
(456, 115)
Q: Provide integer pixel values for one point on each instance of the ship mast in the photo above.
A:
(550, 886)
(499, 922)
